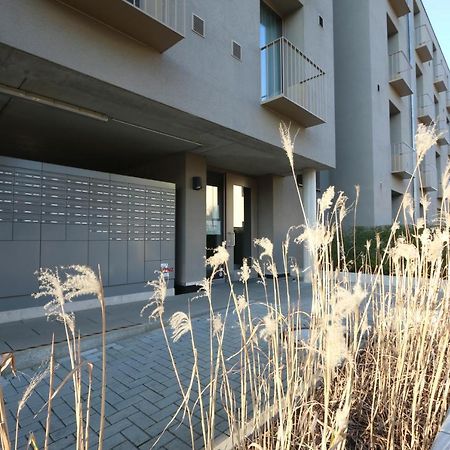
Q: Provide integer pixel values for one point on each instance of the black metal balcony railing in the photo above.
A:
(292, 84)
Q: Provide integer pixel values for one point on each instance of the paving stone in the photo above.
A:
(135, 435)
(114, 440)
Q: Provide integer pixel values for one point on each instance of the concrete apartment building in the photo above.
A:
(390, 75)
(137, 133)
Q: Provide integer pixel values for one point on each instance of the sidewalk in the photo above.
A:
(122, 320)
(142, 392)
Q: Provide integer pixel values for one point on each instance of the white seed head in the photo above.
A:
(287, 143)
(269, 327)
(217, 324)
(158, 297)
(180, 324)
(245, 271)
(426, 137)
(219, 257)
(266, 245)
(326, 200)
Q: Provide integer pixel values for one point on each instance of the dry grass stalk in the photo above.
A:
(61, 288)
(371, 371)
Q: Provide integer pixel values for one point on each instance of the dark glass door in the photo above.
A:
(242, 225)
(214, 214)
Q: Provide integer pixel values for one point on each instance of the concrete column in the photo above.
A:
(309, 204)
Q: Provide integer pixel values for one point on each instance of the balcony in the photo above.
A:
(425, 109)
(284, 7)
(440, 78)
(402, 160)
(156, 23)
(400, 7)
(428, 177)
(424, 43)
(400, 71)
(291, 84)
(442, 130)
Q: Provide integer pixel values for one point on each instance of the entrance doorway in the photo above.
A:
(242, 226)
(214, 215)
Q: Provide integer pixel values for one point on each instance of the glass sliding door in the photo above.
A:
(270, 32)
(214, 214)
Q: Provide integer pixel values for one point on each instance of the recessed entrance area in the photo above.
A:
(242, 226)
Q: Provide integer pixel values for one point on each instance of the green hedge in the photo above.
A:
(355, 244)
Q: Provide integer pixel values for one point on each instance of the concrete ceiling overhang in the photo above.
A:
(137, 130)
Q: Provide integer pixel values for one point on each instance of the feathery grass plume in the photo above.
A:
(245, 271)
(51, 285)
(348, 302)
(287, 143)
(83, 281)
(34, 382)
(426, 137)
(266, 245)
(405, 250)
(180, 324)
(217, 324)
(269, 327)
(408, 205)
(316, 237)
(219, 257)
(241, 303)
(326, 201)
(158, 297)
(336, 343)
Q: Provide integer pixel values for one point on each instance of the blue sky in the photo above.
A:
(439, 13)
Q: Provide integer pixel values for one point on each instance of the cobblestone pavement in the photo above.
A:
(142, 392)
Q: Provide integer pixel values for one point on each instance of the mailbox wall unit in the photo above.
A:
(57, 216)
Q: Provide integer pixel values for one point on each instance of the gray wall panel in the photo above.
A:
(26, 231)
(53, 232)
(18, 263)
(99, 255)
(118, 262)
(62, 216)
(63, 253)
(6, 230)
(77, 232)
(153, 250)
(136, 268)
(168, 249)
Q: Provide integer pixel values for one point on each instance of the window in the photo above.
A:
(270, 32)
(321, 21)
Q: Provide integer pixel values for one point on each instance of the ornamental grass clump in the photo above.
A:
(60, 287)
(365, 367)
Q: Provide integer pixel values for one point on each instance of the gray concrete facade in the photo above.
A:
(390, 75)
(86, 89)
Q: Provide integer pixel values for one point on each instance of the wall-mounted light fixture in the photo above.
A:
(196, 183)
